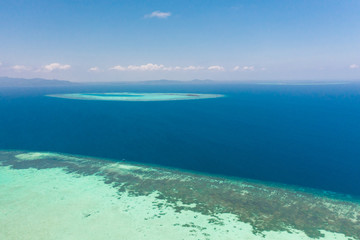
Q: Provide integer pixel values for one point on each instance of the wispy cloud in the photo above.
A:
(21, 68)
(354, 66)
(158, 14)
(55, 66)
(216, 68)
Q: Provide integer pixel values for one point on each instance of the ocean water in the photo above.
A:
(306, 135)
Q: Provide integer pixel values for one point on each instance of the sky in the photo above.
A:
(242, 40)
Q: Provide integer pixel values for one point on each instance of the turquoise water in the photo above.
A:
(117, 95)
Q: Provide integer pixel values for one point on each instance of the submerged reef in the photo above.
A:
(126, 96)
(173, 203)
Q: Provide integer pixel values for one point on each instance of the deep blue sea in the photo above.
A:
(302, 135)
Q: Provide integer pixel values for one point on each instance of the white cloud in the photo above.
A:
(194, 68)
(146, 67)
(118, 68)
(56, 66)
(248, 68)
(158, 14)
(217, 68)
(244, 68)
(161, 67)
(0, 63)
(21, 68)
(354, 66)
(94, 69)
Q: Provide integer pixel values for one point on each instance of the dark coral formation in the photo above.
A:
(265, 206)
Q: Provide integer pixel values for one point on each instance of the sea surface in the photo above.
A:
(304, 135)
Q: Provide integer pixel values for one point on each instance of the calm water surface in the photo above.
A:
(303, 135)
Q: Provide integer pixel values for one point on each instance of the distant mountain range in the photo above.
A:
(33, 82)
(165, 82)
(40, 82)
(153, 82)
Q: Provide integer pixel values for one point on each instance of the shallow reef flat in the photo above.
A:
(126, 96)
(46, 195)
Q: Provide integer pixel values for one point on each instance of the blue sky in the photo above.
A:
(182, 40)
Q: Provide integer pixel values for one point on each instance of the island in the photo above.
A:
(128, 96)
